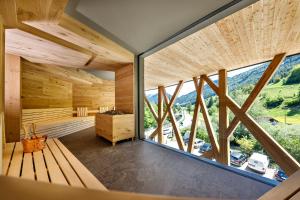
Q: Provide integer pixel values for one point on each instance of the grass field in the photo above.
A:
(288, 92)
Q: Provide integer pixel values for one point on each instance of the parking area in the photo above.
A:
(269, 171)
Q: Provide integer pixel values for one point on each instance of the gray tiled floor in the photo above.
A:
(147, 168)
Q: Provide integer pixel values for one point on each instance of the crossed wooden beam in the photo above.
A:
(161, 117)
(200, 104)
(220, 148)
(279, 154)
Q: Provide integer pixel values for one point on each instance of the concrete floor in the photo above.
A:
(148, 168)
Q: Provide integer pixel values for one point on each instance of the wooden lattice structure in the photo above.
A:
(220, 145)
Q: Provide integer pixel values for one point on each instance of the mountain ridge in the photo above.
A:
(245, 78)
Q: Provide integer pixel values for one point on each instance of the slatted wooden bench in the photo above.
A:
(55, 122)
(54, 164)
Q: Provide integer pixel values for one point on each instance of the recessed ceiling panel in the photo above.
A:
(141, 24)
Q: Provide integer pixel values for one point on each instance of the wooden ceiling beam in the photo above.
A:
(46, 19)
(39, 50)
(53, 38)
(108, 55)
(40, 10)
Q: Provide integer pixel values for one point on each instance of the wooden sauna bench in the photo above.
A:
(54, 164)
(55, 122)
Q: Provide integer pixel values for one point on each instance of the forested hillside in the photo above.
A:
(244, 79)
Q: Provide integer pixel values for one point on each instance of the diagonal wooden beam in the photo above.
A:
(279, 154)
(152, 136)
(151, 108)
(211, 84)
(173, 120)
(263, 81)
(173, 98)
(170, 104)
(195, 117)
(207, 121)
(208, 154)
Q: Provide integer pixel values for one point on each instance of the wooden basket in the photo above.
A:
(28, 145)
(34, 143)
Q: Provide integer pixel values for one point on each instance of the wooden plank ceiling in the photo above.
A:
(39, 31)
(252, 35)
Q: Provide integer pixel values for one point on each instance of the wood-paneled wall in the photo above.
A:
(12, 97)
(43, 90)
(2, 131)
(124, 89)
(55, 88)
(94, 96)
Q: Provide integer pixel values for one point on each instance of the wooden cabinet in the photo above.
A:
(115, 127)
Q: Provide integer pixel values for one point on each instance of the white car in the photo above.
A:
(258, 162)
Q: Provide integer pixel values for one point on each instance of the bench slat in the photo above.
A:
(55, 173)
(85, 175)
(16, 161)
(27, 168)
(7, 155)
(62, 126)
(69, 173)
(40, 167)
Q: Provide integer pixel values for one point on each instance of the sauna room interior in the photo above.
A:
(74, 76)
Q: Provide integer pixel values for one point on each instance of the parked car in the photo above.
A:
(237, 158)
(280, 175)
(258, 162)
(198, 143)
(167, 131)
(205, 147)
(186, 137)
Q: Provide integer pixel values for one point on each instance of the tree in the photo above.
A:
(210, 102)
(202, 134)
(149, 120)
(189, 108)
(246, 145)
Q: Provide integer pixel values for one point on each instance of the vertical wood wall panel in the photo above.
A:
(124, 89)
(12, 97)
(2, 130)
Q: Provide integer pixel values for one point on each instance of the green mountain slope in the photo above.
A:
(244, 79)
